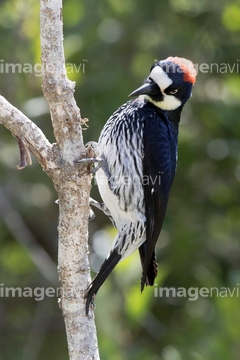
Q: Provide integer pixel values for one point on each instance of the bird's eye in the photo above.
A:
(174, 91)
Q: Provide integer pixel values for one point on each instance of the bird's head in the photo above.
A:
(169, 84)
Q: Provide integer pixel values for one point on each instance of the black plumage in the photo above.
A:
(138, 148)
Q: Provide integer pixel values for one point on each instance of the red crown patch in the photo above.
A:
(186, 66)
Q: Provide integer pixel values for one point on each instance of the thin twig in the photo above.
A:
(23, 235)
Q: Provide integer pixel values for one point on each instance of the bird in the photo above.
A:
(137, 153)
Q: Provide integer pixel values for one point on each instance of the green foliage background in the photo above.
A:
(113, 43)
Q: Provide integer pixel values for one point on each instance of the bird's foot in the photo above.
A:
(103, 208)
(92, 216)
(100, 206)
(91, 157)
(94, 169)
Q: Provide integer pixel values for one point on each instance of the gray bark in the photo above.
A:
(71, 180)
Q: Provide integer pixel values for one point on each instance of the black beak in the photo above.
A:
(147, 89)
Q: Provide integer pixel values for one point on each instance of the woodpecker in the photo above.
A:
(138, 150)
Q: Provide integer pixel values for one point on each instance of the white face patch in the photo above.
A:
(169, 102)
(160, 77)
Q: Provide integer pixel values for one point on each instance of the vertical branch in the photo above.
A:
(71, 180)
(73, 185)
(57, 88)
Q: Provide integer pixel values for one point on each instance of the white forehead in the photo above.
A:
(160, 77)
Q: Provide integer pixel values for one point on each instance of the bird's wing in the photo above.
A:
(159, 163)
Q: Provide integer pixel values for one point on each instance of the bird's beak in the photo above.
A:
(146, 89)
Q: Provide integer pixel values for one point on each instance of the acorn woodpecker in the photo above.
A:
(138, 151)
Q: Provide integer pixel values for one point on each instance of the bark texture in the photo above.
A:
(71, 180)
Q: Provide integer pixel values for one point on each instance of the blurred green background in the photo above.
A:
(112, 45)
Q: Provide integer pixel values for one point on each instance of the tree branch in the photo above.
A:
(57, 88)
(23, 128)
(73, 186)
(71, 180)
(24, 236)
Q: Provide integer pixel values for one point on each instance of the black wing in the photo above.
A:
(159, 164)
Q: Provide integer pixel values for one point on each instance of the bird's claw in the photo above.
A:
(92, 156)
(91, 160)
(92, 216)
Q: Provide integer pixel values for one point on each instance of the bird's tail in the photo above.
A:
(106, 268)
(149, 274)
